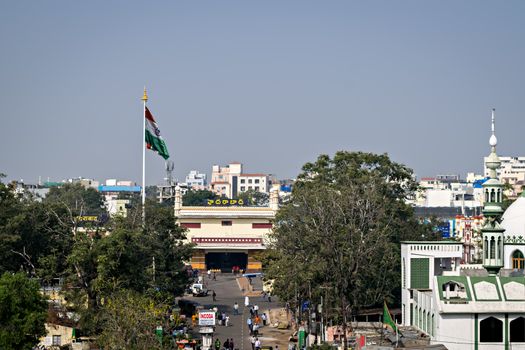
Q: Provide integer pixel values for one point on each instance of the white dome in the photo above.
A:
(514, 218)
(493, 141)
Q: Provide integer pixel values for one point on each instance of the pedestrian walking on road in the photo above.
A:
(209, 274)
(269, 298)
(252, 313)
(257, 344)
(214, 276)
(227, 344)
(227, 320)
(249, 322)
(263, 318)
(235, 308)
(252, 341)
(256, 309)
(256, 329)
(214, 296)
(246, 301)
(217, 344)
(231, 344)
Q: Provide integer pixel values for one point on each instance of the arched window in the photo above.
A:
(486, 195)
(492, 248)
(517, 330)
(486, 248)
(492, 195)
(499, 196)
(491, 330)
(498, 253)
(518, 261)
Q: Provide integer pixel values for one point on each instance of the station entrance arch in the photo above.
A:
(224, 261)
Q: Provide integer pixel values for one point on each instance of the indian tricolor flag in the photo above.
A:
(152, 136)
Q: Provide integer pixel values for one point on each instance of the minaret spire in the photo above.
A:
(493, 233)
(493, 141)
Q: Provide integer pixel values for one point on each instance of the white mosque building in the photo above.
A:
(471, 306)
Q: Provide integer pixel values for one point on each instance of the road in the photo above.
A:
(228, 292)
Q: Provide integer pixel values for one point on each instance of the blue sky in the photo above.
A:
(272, 84)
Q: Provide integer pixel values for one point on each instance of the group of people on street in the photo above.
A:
(228, 344)
(256, 343)
(256, 320)
(222, 318)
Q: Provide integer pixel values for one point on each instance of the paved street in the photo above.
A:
(228, 292)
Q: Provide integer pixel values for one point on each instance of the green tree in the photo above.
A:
(23, 312)
(77, 199)
(151, 192)
(252, 197)
(197, 197)
(339, 234)
(146, 260)
(10, 208)
(167, 244)
(34, 236)
(129, 321)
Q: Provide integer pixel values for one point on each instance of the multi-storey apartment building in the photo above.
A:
(230, 180)
(196, 180)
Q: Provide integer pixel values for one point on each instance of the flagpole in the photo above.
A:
(144, 100)
(397, 335)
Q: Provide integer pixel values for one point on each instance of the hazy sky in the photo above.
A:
(272, 84)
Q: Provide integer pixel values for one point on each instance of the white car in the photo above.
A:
(199, 290)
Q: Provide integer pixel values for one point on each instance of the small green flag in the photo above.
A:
(387, 319)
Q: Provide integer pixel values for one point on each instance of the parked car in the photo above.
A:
(199, 290)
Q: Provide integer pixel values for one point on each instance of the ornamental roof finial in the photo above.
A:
(145, 96)
(493, 141)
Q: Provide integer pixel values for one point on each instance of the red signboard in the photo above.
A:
(261, 225)
(191, 224)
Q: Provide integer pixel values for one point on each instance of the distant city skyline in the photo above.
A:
(270, 84)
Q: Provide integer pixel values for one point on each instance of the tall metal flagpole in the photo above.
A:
(144, 100)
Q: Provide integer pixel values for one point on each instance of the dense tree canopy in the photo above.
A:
(197, 197)
(129, 321)
(23, 312)
(255, 198)
(97, 260)
(339, 234)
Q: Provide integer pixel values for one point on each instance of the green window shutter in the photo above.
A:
(419, 272)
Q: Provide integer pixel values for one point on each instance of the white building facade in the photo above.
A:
(225, 233)
(196, 180)
(471, 306)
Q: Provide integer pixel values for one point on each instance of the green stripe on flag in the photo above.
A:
(387, 319)
(157, 144)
